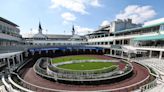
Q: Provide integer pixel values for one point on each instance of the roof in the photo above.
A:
(58, 36)
(8, 22)
(134, 29)
(39, 35)
(6, 55)
(148, 38)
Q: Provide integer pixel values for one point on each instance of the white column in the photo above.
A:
(122, 54)
(110, 51)
(21, 57)
(160, 55)
(97, 50)
(123, 42)
(18, 58)
(150, 54)
(114, 52)
(26, 54)
(53, 51)
(103, 50)
(114, 42)
(128, 56)
(4, 61)
(40, 52)
(8, 63)
(13, 61)
(46, 51)
(32, 52)
(63, 50)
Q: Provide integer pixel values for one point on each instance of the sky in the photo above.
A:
(58, 16)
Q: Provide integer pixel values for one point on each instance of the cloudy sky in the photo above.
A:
(58, 16)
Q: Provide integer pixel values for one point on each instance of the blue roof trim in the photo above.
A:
(63, 48)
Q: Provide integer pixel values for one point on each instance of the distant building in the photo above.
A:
(120, 25)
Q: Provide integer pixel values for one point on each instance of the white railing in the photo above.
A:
(18, 86)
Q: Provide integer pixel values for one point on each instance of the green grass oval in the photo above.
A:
(70, 58)
(86, 65)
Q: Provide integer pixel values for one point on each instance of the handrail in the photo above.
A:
(150, 73)
(87, 79)
(18, 86)
(6, 84)
(36, 85)
(24, 64)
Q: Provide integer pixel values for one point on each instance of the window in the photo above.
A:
(161, 27)
(0, 27)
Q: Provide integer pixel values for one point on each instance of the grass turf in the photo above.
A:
(87, 65)
(82, 65)
(70, 58)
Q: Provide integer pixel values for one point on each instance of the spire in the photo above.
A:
(73, 30)
(40, 28)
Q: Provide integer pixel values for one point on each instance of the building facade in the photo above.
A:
(146, 40)
(9, 33)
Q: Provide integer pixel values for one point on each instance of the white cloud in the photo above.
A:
(138, 14)
(74, 5)
(95, 3)
(105, 23)
(83, 30)
(68, 17)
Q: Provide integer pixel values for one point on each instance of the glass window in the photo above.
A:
(161, 27)
(0, 27)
